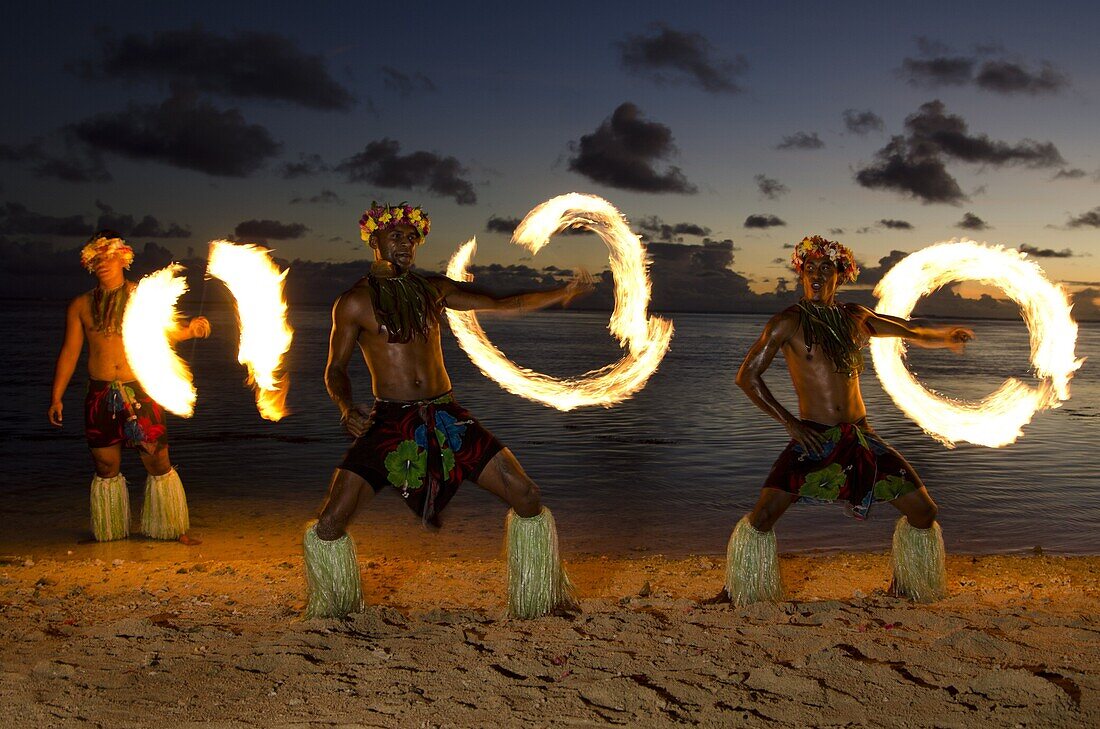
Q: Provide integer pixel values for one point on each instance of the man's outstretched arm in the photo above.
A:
(946, 337)
(467, 297)
(750, 378)
(66, 359)
(341, 343)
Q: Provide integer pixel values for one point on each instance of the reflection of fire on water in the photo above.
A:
(645, 339)
(150, 319)
(997, 419)
(257, 285)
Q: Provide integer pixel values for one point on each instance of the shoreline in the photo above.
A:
(182, 639)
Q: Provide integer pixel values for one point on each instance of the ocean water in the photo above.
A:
(669, 471)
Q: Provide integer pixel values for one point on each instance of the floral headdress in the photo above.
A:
(817, 247)
(381, 217)
(106, 243)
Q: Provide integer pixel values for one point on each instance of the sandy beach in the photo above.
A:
(173, 636)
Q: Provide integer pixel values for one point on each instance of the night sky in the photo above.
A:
(888, 126)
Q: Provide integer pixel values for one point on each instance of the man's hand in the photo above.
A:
(806, 436)
(582, 284)
(198, 328)
(54, 413)
(957, 337)
(356, 420)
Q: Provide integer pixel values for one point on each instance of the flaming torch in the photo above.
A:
(151, 318)
(996, 420)
(644, 338)
(257, 285)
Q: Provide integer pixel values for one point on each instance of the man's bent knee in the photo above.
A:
(330, 527)
(526, 500)
(924, 515)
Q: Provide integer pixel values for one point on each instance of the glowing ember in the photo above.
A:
(644, 338)
(151, 318)
(997, 419)
(257, 285)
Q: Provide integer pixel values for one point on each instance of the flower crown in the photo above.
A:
(105, 245)
(380, 217)
(817, 247)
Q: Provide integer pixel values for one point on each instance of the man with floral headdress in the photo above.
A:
(416, 437)
(833, 455)
(117, 410)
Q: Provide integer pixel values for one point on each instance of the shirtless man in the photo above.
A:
(833, 455)
(116, 409)
(416, 437)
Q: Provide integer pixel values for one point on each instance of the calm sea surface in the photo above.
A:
(669, 471)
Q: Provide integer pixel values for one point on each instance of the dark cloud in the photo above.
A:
(247, 65)
(657, 229)
(936, 72)
(672, 56)
(895, 224)
(74, 161)
(406, 84)
(324, 197)
(382, 164)
(914, 164)
(16, 219)
(770, 188)
(760, 220)
(834, 231)
(1045, 252)
(269, 230)
(1069, 174)
(622, 151)
(1090, 219)
(863, 122)
(970, 221)
(497, 224)
(1005, 77)
(871, 275)
(939, 66)
(306, 166)
(912, 170)
(182, 132)
(147, 227)
(801, 140)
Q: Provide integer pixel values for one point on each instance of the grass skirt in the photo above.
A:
(919, 557)
(110, 508)
(332, 576)
(537, 583)
(164, 513)
(752, 566)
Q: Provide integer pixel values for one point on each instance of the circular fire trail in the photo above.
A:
(645, 339)
(997, 419)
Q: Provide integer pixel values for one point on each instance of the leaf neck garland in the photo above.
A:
(108, 308)
(406, 305)
(836, 331)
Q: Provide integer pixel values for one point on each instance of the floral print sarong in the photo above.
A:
(857, 468)
(122, 412)
(425, 449)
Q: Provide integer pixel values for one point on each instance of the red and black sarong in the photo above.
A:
(424, 448)
(856, 467)
(122, 412)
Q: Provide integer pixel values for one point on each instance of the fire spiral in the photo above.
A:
(644, 338)
(997, 419)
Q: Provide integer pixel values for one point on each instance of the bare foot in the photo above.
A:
(189, 541)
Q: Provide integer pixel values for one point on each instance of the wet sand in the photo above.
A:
(166, 633)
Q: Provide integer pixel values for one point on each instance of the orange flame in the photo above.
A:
(257, 285)
(150, 319)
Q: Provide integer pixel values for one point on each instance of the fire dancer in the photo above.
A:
(117, 410)
(416, 437)
(833, 455)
